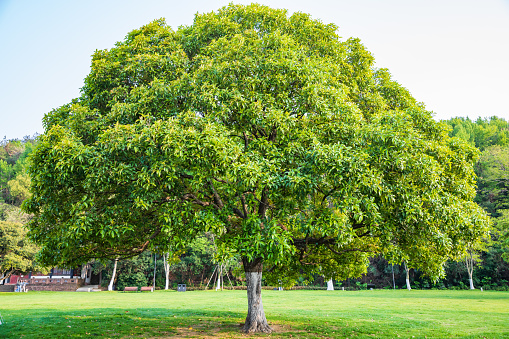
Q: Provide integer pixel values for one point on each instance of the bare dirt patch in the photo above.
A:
(210, 330)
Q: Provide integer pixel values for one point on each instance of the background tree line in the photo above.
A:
(196, 265)
(491, 267)
(17, 253)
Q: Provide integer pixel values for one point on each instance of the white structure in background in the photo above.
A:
(330, 285)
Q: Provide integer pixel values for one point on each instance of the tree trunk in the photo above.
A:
(155, 267)
(408, 287)
(166, 270)
(218, 280)
(469, 261)
(255, 320)
(4, 277)
(330, 285)
(110, 286)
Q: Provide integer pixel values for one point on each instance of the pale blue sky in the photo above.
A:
(451, 54)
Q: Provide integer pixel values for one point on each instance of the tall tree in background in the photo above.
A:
(14, 180)
(493, 180)
(196, 261)
(493, 192)
(491, 136)
(249, 124)
(17, 252)
(502, 226)
(481, 133)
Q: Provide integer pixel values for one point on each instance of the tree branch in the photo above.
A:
(190, 196)
(239, 213)
(217, 199)
(246, 141)
(262, 207)
(155, 234)
(221, 180)
(347, 250)
(244, 206)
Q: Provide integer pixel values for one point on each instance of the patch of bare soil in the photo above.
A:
(210, 330)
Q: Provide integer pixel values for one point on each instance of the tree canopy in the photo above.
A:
(264, 129)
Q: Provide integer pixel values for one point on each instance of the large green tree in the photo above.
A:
(264, 129)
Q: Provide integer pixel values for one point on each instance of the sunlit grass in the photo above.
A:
(296, 314)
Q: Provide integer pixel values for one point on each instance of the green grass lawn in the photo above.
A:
(293, 314)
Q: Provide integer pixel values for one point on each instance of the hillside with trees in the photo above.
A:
(491, 137)
(17, 252)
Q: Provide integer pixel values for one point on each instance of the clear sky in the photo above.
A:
(453, 55)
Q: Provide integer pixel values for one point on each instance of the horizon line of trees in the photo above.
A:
(197, 264)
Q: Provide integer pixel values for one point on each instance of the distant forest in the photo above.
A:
(196, 266)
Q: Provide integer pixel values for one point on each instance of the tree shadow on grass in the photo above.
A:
(124, 323)
(131, 322)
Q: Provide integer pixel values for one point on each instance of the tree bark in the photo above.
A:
(110, 286)
(408, 287)
(218, 280)
(4, 277)
(471, 283)
(155, 267)
(166, 270)
(255, 320)
(469, 261)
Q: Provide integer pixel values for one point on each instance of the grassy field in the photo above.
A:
(293, 314)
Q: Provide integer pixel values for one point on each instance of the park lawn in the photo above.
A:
(294, 314)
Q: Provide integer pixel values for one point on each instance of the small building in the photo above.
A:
(58, 279)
